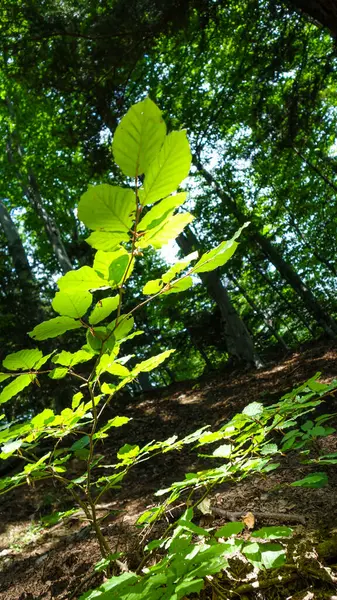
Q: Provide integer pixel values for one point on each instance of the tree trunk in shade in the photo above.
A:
(238, 341)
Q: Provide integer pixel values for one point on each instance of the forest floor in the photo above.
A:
(57, 563)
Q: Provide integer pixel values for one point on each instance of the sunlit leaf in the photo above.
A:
(108, 208)
(16, 386)
(152, 287)
(81, 280)
(69, 359)
(72, 304)
(123, 327)
(53, 328)
(253, 410)
(223, 451)
(151, 363)
(128, 452)
(103, 309)
(160, 211)
(58, 373)
(179, 286)
(138, 138)
(179, 266)
(313, 480)
(165, 232)
(11, 447)
(169, 168)
(24, 360)
(107, 240)
(217, 257)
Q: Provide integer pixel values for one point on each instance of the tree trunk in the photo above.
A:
(322, 11)
(286, 302)
(285, 269)
(257, 310)
(31, 190)
(238, 341)
(21, 265)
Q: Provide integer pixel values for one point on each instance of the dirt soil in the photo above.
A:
(41, 564)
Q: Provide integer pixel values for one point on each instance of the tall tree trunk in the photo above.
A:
(286, 302)
(31, 190)
(238, 341)
(259, 312)
(21, 265)
(285, 269)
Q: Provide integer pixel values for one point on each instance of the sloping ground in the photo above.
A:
(38, 564)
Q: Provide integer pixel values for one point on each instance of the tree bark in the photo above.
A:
(238, 341)
(21, 265)
(257, 310)
(285, 269)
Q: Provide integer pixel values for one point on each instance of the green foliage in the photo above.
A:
(123, 226)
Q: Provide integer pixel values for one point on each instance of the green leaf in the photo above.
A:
(100, 338)
(179, 266)
(229, 529)
(72, 304)
(115, 422)
(43, 360)
(138, 138)
(216, 258)
(43, 418)
(76, 400)
(81, 443)
(81, 280)
(152, 287)
(108, 208)
(181, 285)
(168, 169)
(188, 587)
(106, 240)
(24, 359)
(4, 376)
(273, 556)
(166, 231)
(53, 328)
(120, 271)
(103, 309)
(69, 359)
(58, 373)
(16, 386)
(10, 448)
(125, 324)
(151, 363)
(161, 211)
(273, 533)
(103, 261)
(118, 370)
(253, 410)
(107, 364)
(314, 480)
(128, 452)
(223, 451)
(269, 449)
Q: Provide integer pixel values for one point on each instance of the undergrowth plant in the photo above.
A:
(125, 221)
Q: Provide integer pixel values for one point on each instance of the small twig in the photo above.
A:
(265, 516)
